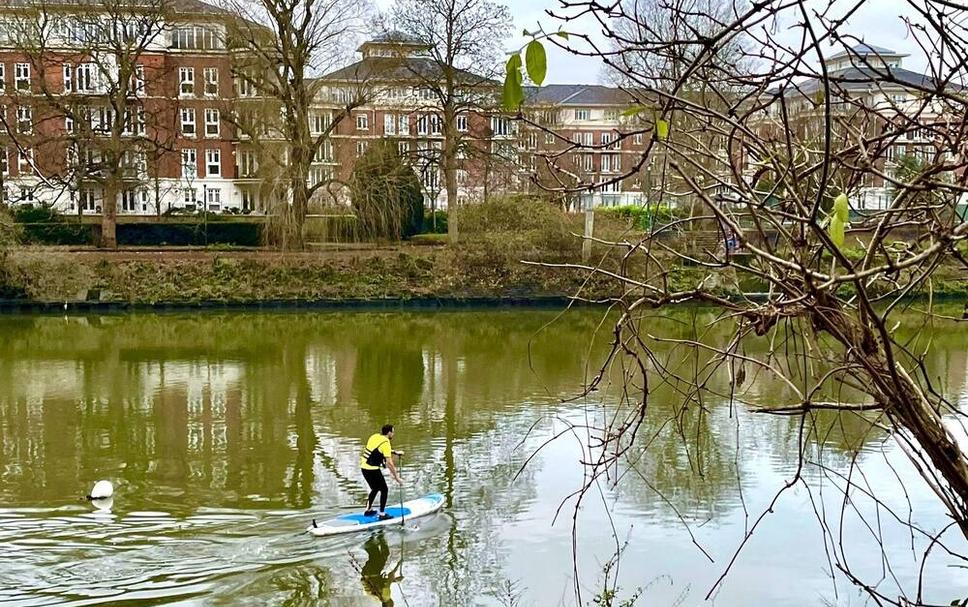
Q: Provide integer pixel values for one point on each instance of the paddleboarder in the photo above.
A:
(379, 454)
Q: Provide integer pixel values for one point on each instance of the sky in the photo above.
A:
(877, 22)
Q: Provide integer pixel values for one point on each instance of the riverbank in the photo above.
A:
(55, 279)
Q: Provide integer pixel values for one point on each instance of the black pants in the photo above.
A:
(378, 484)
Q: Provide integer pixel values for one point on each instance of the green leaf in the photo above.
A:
(513, 93)
(662, 129)
(562, 35)
(842, 208)
(537, 61)
(836, 231)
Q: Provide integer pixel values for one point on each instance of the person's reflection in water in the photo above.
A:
(375, 581)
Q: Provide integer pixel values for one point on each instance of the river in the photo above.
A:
(226, 433)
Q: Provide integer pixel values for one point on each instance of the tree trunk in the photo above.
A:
(109, 215)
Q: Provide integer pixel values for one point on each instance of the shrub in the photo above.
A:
(41, 224)
(435, 222)
(517, 227)
(642, 217)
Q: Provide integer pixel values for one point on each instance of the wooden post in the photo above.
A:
(586, 245)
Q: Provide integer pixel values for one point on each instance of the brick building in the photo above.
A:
(61, 94)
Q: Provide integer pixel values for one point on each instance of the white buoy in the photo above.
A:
(101, 490)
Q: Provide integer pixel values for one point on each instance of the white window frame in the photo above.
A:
(189, 163)
(210, 74)
(25, 162)
(583, 113)
(86, 78)
(67, 73)
(212, 122)
(436, 124)
(360, 148)
(248, 163)
(190, 196)
(186, 82)
(3, 77)
(213, 196)
(637, 139)
(25, 119)
(362, 122)
(461, 123)
(213, 158)
(403, 124)
(389, 124)
(422, 123)
(138, 80)
(21, 76)
(188, 119)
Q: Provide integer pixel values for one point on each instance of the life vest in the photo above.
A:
(374, 455)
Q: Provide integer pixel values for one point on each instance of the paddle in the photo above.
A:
(403, 513)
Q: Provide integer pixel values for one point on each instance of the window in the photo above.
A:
(637, 139)
(213, 198)
(4, 162)
(583, 114)
(129, 201)
(21, 75)
(86, 78)
(211, 81)
(25, 163)
(403, 148)
(247, 163)
(422, 125)
(319, 122)
(188, 121)
(532, 141)
(244, 86)
(435, 124)
(196, 37)
(211, 122)
(500, 125)
(186, 81)
(462, 123)
(549, 138)
(137, 84)
(360, 148)
(26, 194)
(611, 163)
(389, 124)
(610, 141)
(137, 126)
(25, 120)
(189, 196)
(189, 164)
(586, 138)
(68, 124)
(88, 200)
(588, 162)
(213, 163)
(68, 71)
(404, 124)
(362, 122)
(3, 77)
(248, 200)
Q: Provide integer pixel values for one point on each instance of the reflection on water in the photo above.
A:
(223, 434)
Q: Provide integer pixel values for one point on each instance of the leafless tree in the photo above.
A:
(283, 47)
(809, 204)
(462, 40)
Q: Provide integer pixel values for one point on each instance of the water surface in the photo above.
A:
(224, 434)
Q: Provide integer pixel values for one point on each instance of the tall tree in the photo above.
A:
(86, 85)
(283, 45)
(463, 40)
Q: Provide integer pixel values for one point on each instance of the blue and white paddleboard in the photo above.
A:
(349, 523)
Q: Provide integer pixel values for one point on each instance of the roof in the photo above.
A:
(396, 68)
(853, 78)
(865, 50)
(394, 37)
(578, 94)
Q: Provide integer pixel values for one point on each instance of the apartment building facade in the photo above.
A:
(874, 96)
(61, 95)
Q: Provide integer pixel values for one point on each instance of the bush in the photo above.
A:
(517, 227)
(642, 217)
(43, 225)
(191, 233)
(435, 222)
